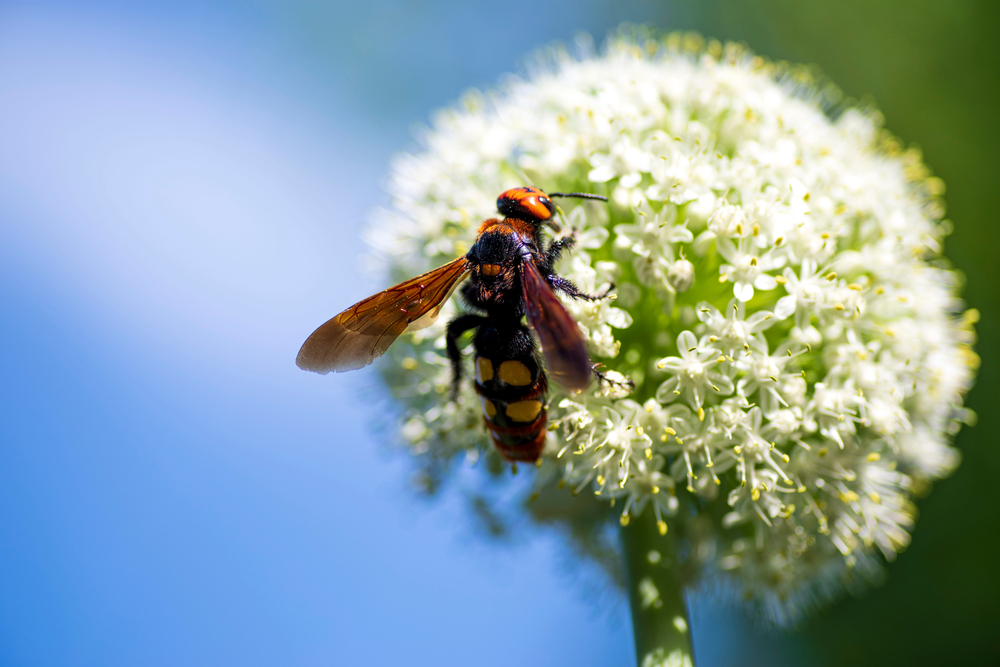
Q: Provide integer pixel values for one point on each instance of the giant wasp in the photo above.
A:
(511, 274)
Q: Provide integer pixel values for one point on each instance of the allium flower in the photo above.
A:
(799, 353)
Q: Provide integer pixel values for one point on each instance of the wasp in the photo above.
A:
(511, 274)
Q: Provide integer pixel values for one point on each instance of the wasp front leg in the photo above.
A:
(555, 251)
(456, 328)
(567, 287)
(564, 285)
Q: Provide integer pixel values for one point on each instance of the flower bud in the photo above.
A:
(728, 220)
(680, 275)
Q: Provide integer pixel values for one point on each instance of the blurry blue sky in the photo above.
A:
(181, 191)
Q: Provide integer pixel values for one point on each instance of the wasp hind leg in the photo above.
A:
(456, 328)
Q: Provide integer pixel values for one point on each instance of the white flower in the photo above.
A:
(693, 374)
(796, 341)
(680, 275)
(747, 269)
(733, 332)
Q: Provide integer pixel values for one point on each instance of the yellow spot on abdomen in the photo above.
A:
(524, 411)
(488, 408)
(515, 373)
(484, 369)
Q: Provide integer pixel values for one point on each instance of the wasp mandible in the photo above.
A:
(511, 274)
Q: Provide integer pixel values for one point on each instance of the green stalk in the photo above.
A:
(656, 596)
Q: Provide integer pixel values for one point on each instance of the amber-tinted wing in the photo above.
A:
(363, 332)
(562, 343)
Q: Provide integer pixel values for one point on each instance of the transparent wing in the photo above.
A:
(363, 332)
(562, 342)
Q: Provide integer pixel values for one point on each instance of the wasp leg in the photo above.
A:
(602, 378)
(456, 328)
(567, 287)
(555, 251)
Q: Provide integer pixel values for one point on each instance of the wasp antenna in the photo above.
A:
(581, 195)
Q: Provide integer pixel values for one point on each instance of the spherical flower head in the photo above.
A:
(798, 350)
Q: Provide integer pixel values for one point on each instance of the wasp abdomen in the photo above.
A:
(512, 387)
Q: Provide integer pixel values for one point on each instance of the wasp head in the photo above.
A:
(529, 204)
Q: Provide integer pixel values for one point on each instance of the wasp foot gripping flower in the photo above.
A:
(798, 350)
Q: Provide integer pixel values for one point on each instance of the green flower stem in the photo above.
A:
(656, 596)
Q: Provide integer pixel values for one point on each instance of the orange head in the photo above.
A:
(526, 204)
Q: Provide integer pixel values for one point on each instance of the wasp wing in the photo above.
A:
(562, 342)
(363, 332)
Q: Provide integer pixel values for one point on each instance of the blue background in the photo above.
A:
(182, 187)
